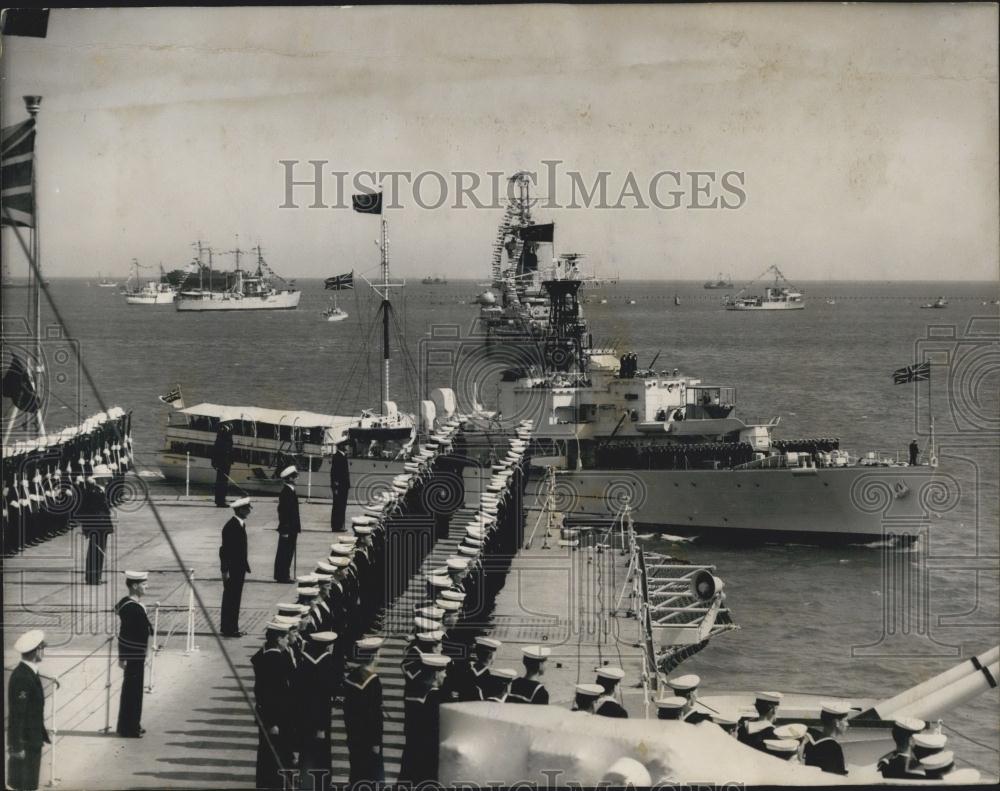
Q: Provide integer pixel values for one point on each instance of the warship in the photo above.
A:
(779, 296)
(250, 290)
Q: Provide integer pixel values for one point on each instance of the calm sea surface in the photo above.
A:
(812, 618)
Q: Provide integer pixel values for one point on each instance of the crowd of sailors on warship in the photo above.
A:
(73, 477)
(321, 650)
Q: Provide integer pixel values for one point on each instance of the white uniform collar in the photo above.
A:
(33, 665)
(241, 521)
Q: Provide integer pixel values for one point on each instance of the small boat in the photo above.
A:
(938, 303)
(629, 301)
(722, 282)
(604, 302)
(677, 300)
(831, 302)
(335, 312)
(105, 283)
(151, 293)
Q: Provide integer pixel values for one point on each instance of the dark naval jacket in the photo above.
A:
(26, 726)
(824, 752)
(340, 472)
(134, 630)
(288, 512)
(222, 451)
(527, 690)
(233, 552)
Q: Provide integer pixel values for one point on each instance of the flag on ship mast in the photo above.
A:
(18, 385)
(368, 203)
(17, 149)
(912, 373)
(174, 398)
(339, 282)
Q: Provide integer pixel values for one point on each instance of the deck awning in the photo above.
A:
(276, 417)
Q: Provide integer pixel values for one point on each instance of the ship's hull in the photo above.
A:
(150, 299)
(769, 306)
(285, 300)
(814, 505)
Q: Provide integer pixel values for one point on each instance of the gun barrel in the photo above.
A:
(955, 694)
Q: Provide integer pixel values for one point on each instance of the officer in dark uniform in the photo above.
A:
(753, 731)
(94, 516)
(340, 485)
(313, 688)
(272, 694)
(422, 723)
(133, 640)
(822, 749)
(26, 731)
(900, 764)
(606, 705)
(235, 566)
(914, 452)
(687, 687)
(222, 460)
(289, 525)
(363, 716)
(527, 688)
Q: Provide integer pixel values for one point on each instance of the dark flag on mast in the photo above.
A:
(18, 385)
(368, 202)
(912, 373)
(17, 150)
(339, 282)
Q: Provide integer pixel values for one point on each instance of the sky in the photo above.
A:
(865, 135)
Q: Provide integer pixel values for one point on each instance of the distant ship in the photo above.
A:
(105, 283)
(249, 291)
(151, 293)
(722, 282)
(938, 303)
(779, 296)
(435, 281)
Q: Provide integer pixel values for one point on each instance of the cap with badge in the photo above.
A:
(431, 613)
(929, 741)
(288, 471)
(308, 592)
(503, 673)
(538, 653)
(909, 724)
(240, 503)
(781, 748)
(939, 762)
(29, 641)
(835, 708)
(769, 697)
(136, 576)
(610, 673)
(277, 626)
(422, 624)
(366, 648)
(306, 579)
(287, 608)
(339, 561)
(342, 550)
(431, 637)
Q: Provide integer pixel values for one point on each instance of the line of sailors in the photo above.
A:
(55, 481)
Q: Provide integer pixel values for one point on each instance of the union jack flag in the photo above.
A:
(17, 151)
(339, 282)
(912, 373)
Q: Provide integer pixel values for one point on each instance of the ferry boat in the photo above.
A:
(722, 282)
(780, 296)
(151, 293)
(675, 446)
(249, 291)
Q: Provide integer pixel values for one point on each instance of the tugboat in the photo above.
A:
(249, 291)
(676, 447)
(780, 296)
(722, 282)
(151, 293)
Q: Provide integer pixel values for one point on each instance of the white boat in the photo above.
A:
(937, 304)
(780, 296)
(250, 291)
(105, 283)
(335, 313)
(151, 293)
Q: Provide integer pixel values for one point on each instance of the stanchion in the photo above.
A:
(187, 473)
(190, 619)
(107, 688)
(156, 650)
(54, 730)
(309, 479)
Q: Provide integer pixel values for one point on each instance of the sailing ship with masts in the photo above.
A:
(152, 292)
(249, 290)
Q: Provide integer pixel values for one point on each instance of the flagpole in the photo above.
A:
(385, 309)
(32, 104)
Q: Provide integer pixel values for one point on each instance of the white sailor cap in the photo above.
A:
(537, 652)
(287, 608)
(430, 612)
(322, 578)
(29, 641)
(347, 538)
(322, 565)
(436, 661)
(450, 595)
(505, 673)
(277, 626)
(794, 730)
(447, 605)
(433, 636)
(322, 637)
(474, 532)
(306, 579)
(289, 470)
(684, 683)
(368, 645)
(837, 708)
(242, 501)
(423, 624)
(590, 690)
(457, 564)
(363, 530)
(469, 551)
(911, 724)
(291, 621)
(364, 520)
(439, 571)
(469, 541)
(930, 740)
(136, 576)
(411, 466)
(339, 561)
(941, 760)
(344, 550)
(494, 487)
(723, 719)
(769, 697)
(102, 471)
(488, 642)
(781, 745)
(612, 673)
(438, 581)
(308, 591)
(672, 703)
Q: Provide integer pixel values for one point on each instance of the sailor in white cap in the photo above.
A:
(272, 691)
(822, 749)
(499, 683)
(234, 563)
(606, 705)
(753, 731)
(785, 749)
(426, 640)
(670, 708)
(586, 697)
(93, 514)
(340, 485)
(938, 764)
(133, 641)
(686, 686)
(728, 722)
(314, 686)
(289, 525)
(26, 731)
(527, 688)
(421, 726)
(363, 717)
(900, 764)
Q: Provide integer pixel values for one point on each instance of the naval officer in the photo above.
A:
(528, 688)
(289, 525)
(235, 566)
(26, 724)
(133, 641)
(606, 705)
(222, 460)
(94, 517)
(822, 749)
(363, 717)
(340, 485)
